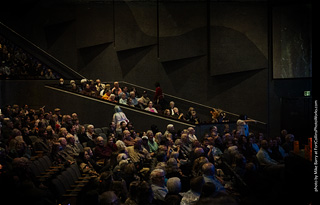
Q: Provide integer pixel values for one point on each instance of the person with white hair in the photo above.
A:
(242, 125)
(122, 160)
(174, 188)
(171, 106)
(208, 171)
(192, 196)
(98, 85)
(90, 131)
(263, 156)
(83, 83)
(134, 98)
(84, 80)
(72, 148)
(159, 189)
(153, 145)
(112, 98)
(143, 100)
(170, 129)
(121, 156)
(191, 134)
(137, 152)
(119, 117)
(123, 99)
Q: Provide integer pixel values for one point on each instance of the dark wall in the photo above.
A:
(290, 109)
(214, 53)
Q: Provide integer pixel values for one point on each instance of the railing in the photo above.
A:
(234, 116)
(202, 110)
(124, 107)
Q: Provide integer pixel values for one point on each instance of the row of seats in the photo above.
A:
(42, 169)
(62, 182)
(69, 183)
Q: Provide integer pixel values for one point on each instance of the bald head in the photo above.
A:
(208, 169)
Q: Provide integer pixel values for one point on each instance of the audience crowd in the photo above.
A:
(131, 97)
(15, 63)
(128, 166)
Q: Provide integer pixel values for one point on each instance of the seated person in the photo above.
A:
(150, 107)
(127, 139)
(263, 156)
(136, 152)
(104, 151)
(159, 189)
(72, 149)
(208, 171)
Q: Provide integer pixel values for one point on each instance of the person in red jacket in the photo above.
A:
(158, 98)
(104, 151)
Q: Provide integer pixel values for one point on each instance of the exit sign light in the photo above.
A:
(307, 93)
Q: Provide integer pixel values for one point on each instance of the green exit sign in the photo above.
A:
(307, 93)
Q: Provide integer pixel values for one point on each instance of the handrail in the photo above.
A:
(189, 101)
(122, 106)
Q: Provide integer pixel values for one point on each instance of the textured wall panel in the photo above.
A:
(243, 92)
(94, 25)
(232, 51)
(239, 39)
(130, 58)
(182, 30)
(55, 31)
(99, 61)
(132, 19)
(186, 75)
(88, 54)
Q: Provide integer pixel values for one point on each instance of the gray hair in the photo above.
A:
(170, 126)
(117, 108)
(174, 185)
(208, 169)
(149, 132)
(121, 156)
(108, 197)
(178, 142)
(155, 172)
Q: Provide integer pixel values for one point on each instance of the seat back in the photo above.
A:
(40, 166)
(68, 177)
(76, 170)
(57, 187)
(98, 130)
(105, 130)
(44, 163)
(47, 160)
(72, 173)
(64, 181)
(104, 136)
(34, 169)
